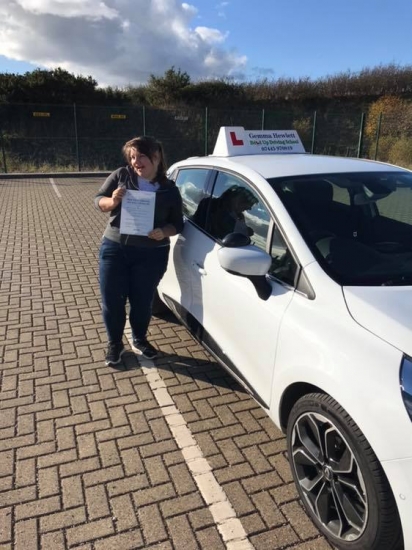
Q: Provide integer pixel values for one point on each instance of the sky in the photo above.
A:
(122, 42)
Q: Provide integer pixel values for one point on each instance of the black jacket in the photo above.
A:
(168, 207)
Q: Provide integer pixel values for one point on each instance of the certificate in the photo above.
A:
(137, 214)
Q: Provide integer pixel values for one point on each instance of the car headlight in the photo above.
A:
(406, 384)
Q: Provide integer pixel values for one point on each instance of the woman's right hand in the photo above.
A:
(118, 194)
(107, 204)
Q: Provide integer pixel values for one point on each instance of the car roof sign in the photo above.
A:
(235, 140)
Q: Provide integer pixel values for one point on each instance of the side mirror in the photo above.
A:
(248, 261)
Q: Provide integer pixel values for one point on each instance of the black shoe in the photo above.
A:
(114, 353)
(143, 347)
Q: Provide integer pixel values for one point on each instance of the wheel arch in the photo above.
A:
(289, 397)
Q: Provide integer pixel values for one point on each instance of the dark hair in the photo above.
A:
(148, 146)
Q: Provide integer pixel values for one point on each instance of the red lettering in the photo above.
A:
(235, 140)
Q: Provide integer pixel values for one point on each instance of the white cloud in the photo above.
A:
(211, 36)
(117, 42)
(221, 9)
(68, 8)
(192, 11)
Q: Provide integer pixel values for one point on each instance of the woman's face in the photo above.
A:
(142, 165)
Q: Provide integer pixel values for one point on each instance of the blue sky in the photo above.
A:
(121, 42)
(297, 38)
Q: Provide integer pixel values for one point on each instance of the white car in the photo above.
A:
(295, 272)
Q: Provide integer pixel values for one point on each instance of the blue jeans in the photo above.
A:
(129, 273)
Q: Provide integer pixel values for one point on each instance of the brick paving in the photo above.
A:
(88, 458)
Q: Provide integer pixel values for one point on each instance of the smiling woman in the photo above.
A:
(133, 260)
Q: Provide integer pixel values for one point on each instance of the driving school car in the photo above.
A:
(295, 272)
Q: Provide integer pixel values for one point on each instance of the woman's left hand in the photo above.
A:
(157, 234)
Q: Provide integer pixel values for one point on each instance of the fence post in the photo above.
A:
(263, 119)
(144, 119)
(3, 151)
(76, 137)
(361, 129)
(206, 130)
(312, 148)
(378, 133)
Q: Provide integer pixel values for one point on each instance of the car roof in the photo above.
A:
(283, 165)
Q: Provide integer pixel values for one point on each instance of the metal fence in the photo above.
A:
(64, 138)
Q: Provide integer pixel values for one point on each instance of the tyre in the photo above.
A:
(339, 479)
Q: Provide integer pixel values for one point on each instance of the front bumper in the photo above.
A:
(399, 474)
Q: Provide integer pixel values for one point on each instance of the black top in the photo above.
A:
(168, 207)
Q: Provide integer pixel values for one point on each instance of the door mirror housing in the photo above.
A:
(244, 260)
(248, 261)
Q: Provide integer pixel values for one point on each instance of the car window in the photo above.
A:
(283, 265)
(362, 241)
(396, 206)
(340, 195)
(191, 183)
(235, 207)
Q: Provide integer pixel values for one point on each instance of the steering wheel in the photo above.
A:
(319, 234)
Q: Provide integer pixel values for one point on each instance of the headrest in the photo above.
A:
(236, 191)
(314, 190)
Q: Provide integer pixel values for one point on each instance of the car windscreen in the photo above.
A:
(358, 225)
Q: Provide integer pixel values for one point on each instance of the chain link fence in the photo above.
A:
(72, 138)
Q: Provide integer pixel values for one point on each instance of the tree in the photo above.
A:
(166, 90)
(48, 86)
(395, 116)
(60, 86)
(392, 115)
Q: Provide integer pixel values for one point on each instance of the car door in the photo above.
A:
(244, 326)
(181, 283)
(238, 325)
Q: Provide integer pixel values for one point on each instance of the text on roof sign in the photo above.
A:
(234, 141)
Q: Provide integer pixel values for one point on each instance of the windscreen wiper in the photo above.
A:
(399, 280)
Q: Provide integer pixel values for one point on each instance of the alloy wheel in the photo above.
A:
(329, 476)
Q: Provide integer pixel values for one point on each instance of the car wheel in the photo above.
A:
(340, 481)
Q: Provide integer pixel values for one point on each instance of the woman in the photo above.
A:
(131, 266)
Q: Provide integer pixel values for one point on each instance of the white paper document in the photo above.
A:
(137, 216)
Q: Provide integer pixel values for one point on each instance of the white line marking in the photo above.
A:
(229, 526)
(51, 180)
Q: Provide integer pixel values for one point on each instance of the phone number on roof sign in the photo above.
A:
(277, 148)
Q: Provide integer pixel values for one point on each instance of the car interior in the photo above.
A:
(358, 227)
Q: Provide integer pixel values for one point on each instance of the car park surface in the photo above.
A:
(88, 459)
(303, 292)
